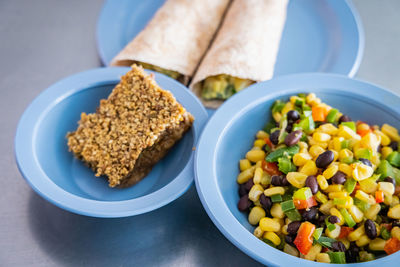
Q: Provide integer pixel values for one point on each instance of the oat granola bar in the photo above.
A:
(131, 130)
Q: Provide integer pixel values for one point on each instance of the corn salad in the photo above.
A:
(320, 186)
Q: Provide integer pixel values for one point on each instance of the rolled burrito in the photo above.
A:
(243, 52)
(176, 38)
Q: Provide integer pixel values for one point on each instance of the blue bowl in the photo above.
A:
(52, 171)
(230, 133)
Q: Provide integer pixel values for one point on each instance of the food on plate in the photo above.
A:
(131, 130)
(176, 38)
(243, 52)
(320, 186)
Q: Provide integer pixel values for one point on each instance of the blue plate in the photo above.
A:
(319, 36)
(42, 153)
(230, 132)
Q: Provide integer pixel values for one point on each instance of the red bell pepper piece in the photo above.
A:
(304, 237)
(269, 143)
(301, 204)
(345, 231)
(388, 226)
(363, 132)
(392, 245)
(379, 197)
(270, 167)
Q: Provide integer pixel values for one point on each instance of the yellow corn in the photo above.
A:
(274, 238)
(336, 143)
(395, 232)
(372, 212)
(361, 171)
(378, 244)
(255, 155)
(330, 171)
(255, 192)
(309, 168)
(316, 150)
(259, 143)
(255, 148)
(368, 185)
(276, 211)
(303, 145)
(261, 135)
(312, 99)
(343, 167)
(386, 187)
(328, 128)
(356, 234)
(277, 116)
(296, 179)
(323, 257)
(361, 195)
(255, 215)
(288, 107)
(356, 213)
(321, 137)
(258, 164)
(274, 191)
(348, 203)
(334, 233)
(362, 127)
(322, 182)
(326, 207)
(334, 188)
(284, 229)
(386, 151)
(313, 252)
(336, 212)
(333, 195)
(347, 133)
(268, 224)
(363, 241)
(265, 179)
(321, 197)
(385, 140)
(391, 132)
(301, 158)
(371, 141)
(245, 175)
(313, 142)
(394, 212)
(395, 201)
(375, 159)
(345, 154)
(290, 250)
(258, 232)
(244, 164)
(365, 256)
(258, 173)
(345, 242)
(387, 199)
(294, 98)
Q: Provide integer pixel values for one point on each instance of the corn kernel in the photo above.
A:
(330, 171)
(290, 250)
(386, 187)
(258, 232)
(277, 190)
(345, 154)
(363, 241)
(347, 133)
(371, 141)
(385, 140)
(261, 135)
(321, 197)
(395, 232)
(387, 199)
(328, 128)
(348, 202)
(378, 244)
(271, 236)
(293, 99)
(255, 215)
(265, 179)
(361, 171)
(313, 252)
(316, 150)
(259, 143)
(361, 195)
(277, 116)
(244, 164)
(288, 107)
(301, 158)
(356, 234)
(334, 188)
(245, 175)
(333, 195)
(321, 137)
(386, 151)
(255, 155)
(335, 155)
(312, 142)
(391, 132)
(334, 233)
(394, 212)
(255, 192)
(362, 127)
(337, 143)
(356, 213)
(309, 168)
(345, 242)
(268, 224)
(296, 179)
(368, 185)
(343, 167)
(258, 173)
(323, 257)
(395, 201)
(372, 212)
(326, 207)
(303, 145)
(336, 212)
(322, 182)
(284, 229)
(256, 148)
(276, 211)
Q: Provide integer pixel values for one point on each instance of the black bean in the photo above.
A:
(293, 227)
(310, 214)
(292, 138)
(293, 115)
(325, 159)
(266, 202)
(274, 137)
(276, 180)
(244, 203)
(334, 219)
(365, 162)
(370, 229)
(242, 190)
(394, 145)
(396, 223)
(379, 149)
(312, 183)
(338, 246)
(249, 184)
(352, 253)
(390, 180)
(289, 239)
(339, 178)
(289, 128)
(344, 118)
(285, 182)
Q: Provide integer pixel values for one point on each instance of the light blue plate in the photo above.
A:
(230, 132)
(42, 153)
(319, 36)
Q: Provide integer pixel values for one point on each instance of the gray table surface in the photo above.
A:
(43, 41)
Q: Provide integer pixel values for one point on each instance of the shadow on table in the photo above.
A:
(179, 234)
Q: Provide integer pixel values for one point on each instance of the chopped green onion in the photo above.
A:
(276, 198)
(317, 233)
(364, 153)
(339, 201)
(350, 185)
(347, 218)
(363, 206)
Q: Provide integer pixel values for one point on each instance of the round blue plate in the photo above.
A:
(230, 132)
(53, 172)
(319, 36)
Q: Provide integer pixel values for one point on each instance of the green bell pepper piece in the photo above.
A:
(363, 206)
(283, 151)
(331, 117)
(337, 257)
(394, 158)
(396, 175)
(350, 124)
(287, 205)
(385, 234)
(293, 215)
(285, 165)
(347, 217)
(364, 153)
(385, 169)
(276, 198)
(303, 193)
(349, 185)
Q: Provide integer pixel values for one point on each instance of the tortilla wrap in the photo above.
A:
(177, 36)
(246, 45)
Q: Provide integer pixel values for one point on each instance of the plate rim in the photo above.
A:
(38, 180)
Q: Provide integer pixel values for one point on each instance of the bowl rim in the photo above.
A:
(32, 172)
(206, 180)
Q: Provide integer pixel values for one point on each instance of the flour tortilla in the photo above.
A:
(246, 45)
(177, 37)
